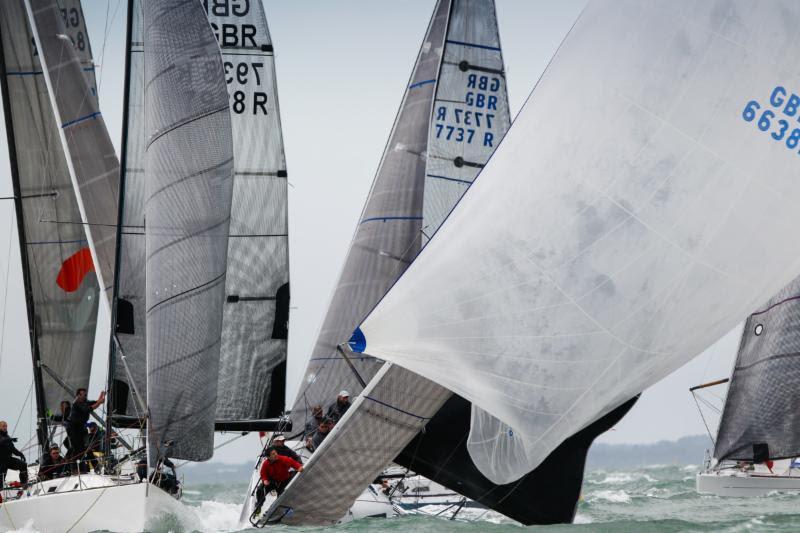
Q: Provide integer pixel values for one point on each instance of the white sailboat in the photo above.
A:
(453, 114)
(186, 236)
(758, 437)
(48, 81)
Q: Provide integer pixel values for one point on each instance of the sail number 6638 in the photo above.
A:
(774, 121)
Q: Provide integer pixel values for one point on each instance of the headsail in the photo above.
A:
(761, 416)
(387, 238)
(396, 404)
(252, 374)
(60, 283)
(651, 216)
(189, 182)
(91, 159)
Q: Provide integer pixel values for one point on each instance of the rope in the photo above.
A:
(87, 510)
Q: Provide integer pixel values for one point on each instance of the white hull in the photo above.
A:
(91, 503)
(748, 483)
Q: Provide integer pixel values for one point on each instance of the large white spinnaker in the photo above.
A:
(90, 155)
(396, 403)
(189, 182)
(641, 204)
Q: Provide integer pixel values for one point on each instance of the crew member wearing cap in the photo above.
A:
(337, 410)
(279, 445)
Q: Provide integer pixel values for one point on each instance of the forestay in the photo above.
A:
(59, 275)
(189, 182)
(252, 374)
(760, 417)
(656, 209)
(90, 156)
(387, 238)
(396, 404)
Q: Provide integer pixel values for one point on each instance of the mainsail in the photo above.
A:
(252, 373)
(655, 211)
(762, 408)
(469, 117)
(90, 156)
(60, 284)
(189, 183)
(387, 238)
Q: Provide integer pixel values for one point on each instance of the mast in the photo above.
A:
(38, 383)
(112, 345)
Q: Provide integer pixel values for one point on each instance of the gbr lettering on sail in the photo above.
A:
(245, 74)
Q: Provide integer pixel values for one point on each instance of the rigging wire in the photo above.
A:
(19, 416)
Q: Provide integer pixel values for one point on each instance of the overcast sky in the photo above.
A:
(342, 67)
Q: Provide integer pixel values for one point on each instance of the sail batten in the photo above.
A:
(188, 161)
(628, 254)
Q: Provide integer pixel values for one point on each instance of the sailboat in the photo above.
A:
(572, 274)
(453, 115)
(184, 237)
(469, 87)
(50, 103)
(757, 444)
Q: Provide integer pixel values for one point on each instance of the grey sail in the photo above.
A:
(130, 360)
(252, 373)
(91, 159)
(761, 416)
(396, 404)
(189, 182)
(60, 283)
(387, 238)
(470, 111)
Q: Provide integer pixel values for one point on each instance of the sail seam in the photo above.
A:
(205, 286)
(473, 45)
(189, 120)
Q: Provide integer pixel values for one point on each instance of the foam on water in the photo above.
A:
(652, 499)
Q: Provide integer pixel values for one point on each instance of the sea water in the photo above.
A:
(655, 498)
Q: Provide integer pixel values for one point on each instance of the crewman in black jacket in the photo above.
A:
(7, 462)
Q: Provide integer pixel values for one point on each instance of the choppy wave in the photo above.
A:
(651, 499)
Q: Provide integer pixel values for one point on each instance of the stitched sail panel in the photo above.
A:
(252, 373)
(188, 190)
(63, 284)
(762, 406)
(632, 215)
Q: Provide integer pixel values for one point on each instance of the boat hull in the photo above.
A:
(745, 484)
(92, 503)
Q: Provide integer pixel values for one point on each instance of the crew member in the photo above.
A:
(7, 462)
(313, 442)
(279, 443)
(337, 410)
(313, 424)
(79, 416)
(53, 465)
(275, 475)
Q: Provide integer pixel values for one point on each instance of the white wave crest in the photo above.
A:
(27, 528)
(613, 496)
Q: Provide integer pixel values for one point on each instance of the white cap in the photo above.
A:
(344, 393)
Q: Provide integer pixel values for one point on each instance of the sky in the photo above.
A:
(342, 67)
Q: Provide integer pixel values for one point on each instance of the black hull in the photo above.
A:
(547, 495)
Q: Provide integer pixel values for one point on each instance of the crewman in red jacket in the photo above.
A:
(275, 475)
